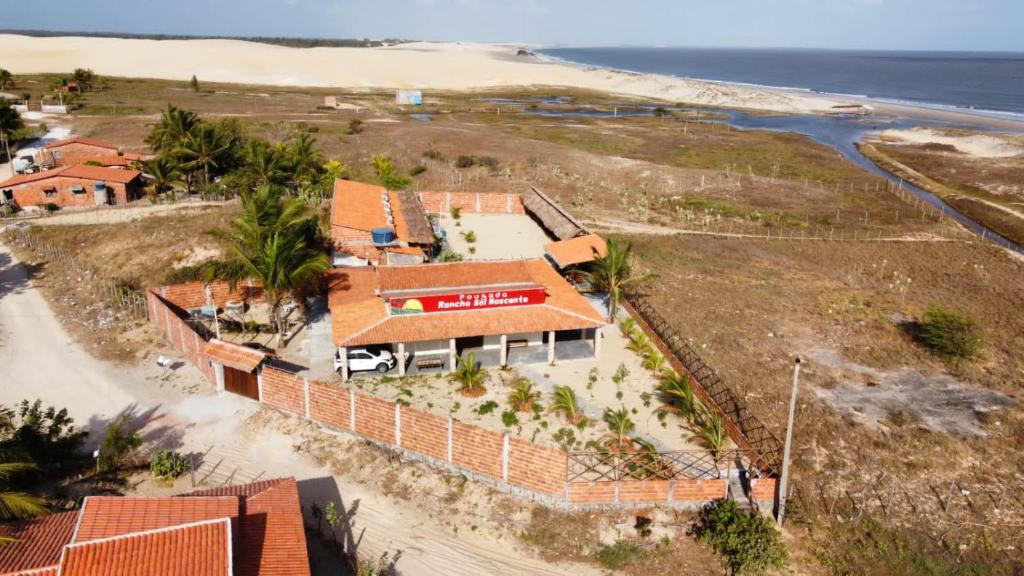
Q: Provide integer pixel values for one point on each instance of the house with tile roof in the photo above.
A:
(514, 311)
(576, 251)
(250, 530)
(373, 225)
(82, 149)
(78, 185)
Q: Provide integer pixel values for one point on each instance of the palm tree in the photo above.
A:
(523, 398)
(613, 273)
(470, 376)
(621, 425)
(10, 121)
(640, 343)
(677, 391)
(712, 433)
(202, 150)
(265, 163)
(273, 242)
(173, 129)
(563, 400)
(6, 79)
(654, 361)
(306, 162)
(15, 504)
(628, 327)
(163, 172)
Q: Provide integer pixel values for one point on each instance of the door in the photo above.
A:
(241, 383)
(468, 343)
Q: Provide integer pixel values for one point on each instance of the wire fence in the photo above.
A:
(127, 299)
(609, 465)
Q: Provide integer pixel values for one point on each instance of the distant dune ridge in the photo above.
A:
(438, 66)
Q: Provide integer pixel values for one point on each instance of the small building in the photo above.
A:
(81, 149)
(249, 530)
(373, 225)
(578, 251)
(505, 312)
(73, 186)
(409, 97)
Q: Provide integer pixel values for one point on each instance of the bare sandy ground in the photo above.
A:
(977, 145)
(429, 66)
(178, 409)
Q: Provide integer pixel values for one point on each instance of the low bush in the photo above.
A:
(118, 444)
(465, 162)
(417, 170)
(168, 465)
(509, 418)
(617, 555)
(948, 334)
(747, 542)
(433, 155)
(355, 126)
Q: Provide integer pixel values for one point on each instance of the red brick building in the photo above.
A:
(81, 149)
(73, 186)
(373, 225)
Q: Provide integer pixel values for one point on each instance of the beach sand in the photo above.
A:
(427, 66)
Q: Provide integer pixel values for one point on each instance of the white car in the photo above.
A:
(361, 359)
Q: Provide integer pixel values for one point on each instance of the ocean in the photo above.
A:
(983, 81)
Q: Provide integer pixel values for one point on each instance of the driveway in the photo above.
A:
(178, 409)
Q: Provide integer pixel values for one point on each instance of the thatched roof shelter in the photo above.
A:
(551, 215)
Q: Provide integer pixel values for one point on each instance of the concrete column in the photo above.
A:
(218, 375)
(551, 347)
(401, 358)
(597, 342)
(305, 393)
(504, 456)
(503, 354)
(451, 354)
(343, 352)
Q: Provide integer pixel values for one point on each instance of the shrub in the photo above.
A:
(620, 425)
(486, 408)
(355, 126)
(465, 161)
(448, 255)
(952, 336)
(565, 438)
(524, 397)
(563, 400)
(433, 155)
(509, 418)
(470, 376)
(617, 555)
(118, 444)
(456, 212)
(469, 236)
(748, 542)
(417, 170)
(488, 161)
(168, 464)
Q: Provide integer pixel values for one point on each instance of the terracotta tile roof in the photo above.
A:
(273, 538)
(357, 209)
(106, 516)
(82, 140)
(233, 355)
(193, 549)
(94, 173)
(360, 316)
(38, 542)
(576, 250)
(357, 205)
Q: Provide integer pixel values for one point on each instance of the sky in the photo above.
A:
(842, 24)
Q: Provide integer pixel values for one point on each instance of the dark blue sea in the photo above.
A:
(984, 81)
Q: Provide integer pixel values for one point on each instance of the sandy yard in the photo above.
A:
(498, 236)
(177, 410)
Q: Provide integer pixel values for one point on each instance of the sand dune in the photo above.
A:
(978, 145)
(437, 66)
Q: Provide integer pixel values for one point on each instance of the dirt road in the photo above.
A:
(40, 360)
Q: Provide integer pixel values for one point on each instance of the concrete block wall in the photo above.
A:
(472, 202)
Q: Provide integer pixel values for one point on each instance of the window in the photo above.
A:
(78, 191)
(50, 192)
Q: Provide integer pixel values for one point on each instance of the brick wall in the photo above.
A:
(425, 433)
(693, 492)
(592, 493)
(763, 489)
(540, 468)
(284, 391)
(375, 418)
(35, 193)
(167, 318)
(329, 405)
(472, 202)
(644, 491)
(193, 294)
(476, 449)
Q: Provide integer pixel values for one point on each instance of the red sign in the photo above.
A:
(468, 301)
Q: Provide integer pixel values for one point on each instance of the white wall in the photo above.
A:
(427, 347)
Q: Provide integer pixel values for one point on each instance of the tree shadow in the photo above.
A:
(349, 536)
(16, 277)
(161, 437)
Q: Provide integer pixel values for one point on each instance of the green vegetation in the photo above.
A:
(45, 436)
(449, 255)
(193, 84)
(677, 392)
(620, 426)
(563, 401)
(15, 503)
(119, 443)
(711, 432)
(509, 418)
(587, 139)
(470, 376)
(486, 408)
(951, 336)
(523, 398)
(355, 126)
(618, 555)
(747, 542)
(387, 175)
(10, 121)
(465, 162)
(613, 273)
(168, 465)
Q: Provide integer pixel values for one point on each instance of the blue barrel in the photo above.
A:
(383, 235)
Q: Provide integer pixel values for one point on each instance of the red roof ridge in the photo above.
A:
(84, 140)
(150, 530)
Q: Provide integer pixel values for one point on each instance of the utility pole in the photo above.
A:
(784, 479)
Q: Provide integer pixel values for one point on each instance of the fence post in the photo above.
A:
(451, 448)
(352, 409)
(305, 395)
(398, 425)
(504, 456)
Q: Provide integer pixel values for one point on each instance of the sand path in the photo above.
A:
(40, 360)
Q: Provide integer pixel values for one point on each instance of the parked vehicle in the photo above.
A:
(363, 359)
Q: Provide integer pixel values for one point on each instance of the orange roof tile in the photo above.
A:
(576, 250)
(82, 140)
(94, 173)
(106, 516)
(233, 355)
(37, 542)
(193, 549)
(357, 205)
(360, 316)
